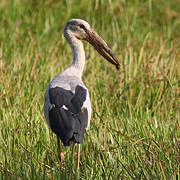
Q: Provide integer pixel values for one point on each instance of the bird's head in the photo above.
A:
(81, 30)
(78, 28)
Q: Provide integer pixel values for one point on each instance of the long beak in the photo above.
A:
(101, 46)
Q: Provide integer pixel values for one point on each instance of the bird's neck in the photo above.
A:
(78, 56)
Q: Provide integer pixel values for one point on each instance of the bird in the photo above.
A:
(67, 106)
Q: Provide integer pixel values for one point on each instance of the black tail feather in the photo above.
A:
(69, 127)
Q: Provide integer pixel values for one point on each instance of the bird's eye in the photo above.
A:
(82, 27)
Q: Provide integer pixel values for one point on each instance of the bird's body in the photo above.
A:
(67, 106)
(71, 95)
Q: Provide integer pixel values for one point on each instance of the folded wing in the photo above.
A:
(67, 116)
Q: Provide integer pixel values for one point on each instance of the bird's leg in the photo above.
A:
(78, 155)
(60, 154)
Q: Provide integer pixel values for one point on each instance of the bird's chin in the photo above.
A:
(77, 37)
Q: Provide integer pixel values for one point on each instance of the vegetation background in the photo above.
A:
(135, 127)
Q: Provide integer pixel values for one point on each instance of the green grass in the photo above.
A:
(135, 126)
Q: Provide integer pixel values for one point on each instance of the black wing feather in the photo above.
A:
(59, 96)
(78, 98)
(69, 124)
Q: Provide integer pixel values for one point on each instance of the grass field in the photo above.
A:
(135, 126)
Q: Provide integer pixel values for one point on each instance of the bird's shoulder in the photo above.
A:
(66, 82)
